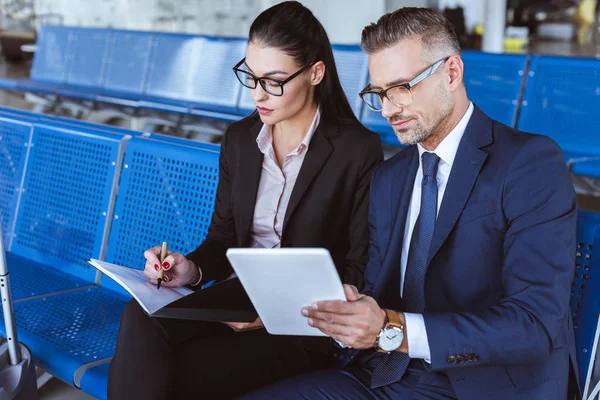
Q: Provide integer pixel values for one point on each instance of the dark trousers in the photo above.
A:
(352, 383)
(158, 358)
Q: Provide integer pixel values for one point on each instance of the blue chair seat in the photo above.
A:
(67, 331)
(95, 381)
(36, 86)
(29, 278)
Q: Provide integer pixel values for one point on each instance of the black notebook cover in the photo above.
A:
(226, 301)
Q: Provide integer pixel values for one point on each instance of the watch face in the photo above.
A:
(390, 339)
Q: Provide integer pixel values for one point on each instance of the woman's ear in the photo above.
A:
(317, 73)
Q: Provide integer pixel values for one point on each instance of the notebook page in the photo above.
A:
(147, 295)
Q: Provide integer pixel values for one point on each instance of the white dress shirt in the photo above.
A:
(418, 345)
(276, 186)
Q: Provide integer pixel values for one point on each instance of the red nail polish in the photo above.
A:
(165, 279)
(156, 267)
(166, 265)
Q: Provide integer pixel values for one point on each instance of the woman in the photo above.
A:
(296, 173)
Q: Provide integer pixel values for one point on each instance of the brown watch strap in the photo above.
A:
(394, 319)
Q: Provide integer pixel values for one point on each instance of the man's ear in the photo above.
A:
(455, 72)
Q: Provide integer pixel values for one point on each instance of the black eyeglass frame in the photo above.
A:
(258, 80)
(408, 86)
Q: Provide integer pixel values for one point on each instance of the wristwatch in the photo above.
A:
(392, 333)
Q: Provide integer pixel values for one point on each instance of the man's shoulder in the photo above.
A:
(513, 141)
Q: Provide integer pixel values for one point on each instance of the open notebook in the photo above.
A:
(225, 301)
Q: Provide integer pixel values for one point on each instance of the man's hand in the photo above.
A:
(245, 326)
(355, 322)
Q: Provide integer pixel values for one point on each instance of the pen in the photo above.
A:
(163, 255)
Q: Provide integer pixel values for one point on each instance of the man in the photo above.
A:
(472, 244)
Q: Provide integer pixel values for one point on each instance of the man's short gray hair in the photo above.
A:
(435, 32)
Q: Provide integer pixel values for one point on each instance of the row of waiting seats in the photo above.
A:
(191, 75)
(77, 190)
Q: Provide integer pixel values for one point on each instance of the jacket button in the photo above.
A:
(474, 357)
(451, 359)
(461, 358)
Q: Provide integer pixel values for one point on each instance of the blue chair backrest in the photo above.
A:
(494, 82)
(562, 100)
(14, 146)
(89, 54)
(167, 193)
(53, 53)
(353, 69)
(68, 192)
(128, 61)
(174, 61)
(158, 137)
(585, 296)
(213, 82)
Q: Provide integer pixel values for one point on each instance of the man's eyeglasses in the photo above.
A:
(400, 95)
(270, 85)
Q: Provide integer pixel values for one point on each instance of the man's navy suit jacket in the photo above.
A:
(500, 264)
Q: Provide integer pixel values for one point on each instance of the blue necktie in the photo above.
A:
(392, 366)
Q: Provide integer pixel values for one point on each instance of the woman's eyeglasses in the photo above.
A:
(272, 86)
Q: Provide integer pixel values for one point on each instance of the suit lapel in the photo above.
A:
(318, 152)
(250, 168)
(401, 189)
(467, 164)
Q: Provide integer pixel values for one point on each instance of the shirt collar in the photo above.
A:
(265, 136)
(447, 149)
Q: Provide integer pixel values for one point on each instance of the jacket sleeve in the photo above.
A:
(210, 255)
(540, 209)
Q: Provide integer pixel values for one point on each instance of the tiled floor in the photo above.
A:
(56, 389)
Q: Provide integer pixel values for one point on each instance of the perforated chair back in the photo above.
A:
(562, 100)
(128, 61)
(585, 296)
(495, 82)
(175, 60)
(14, 148)
(89, 55)
(352, 67)
(213, 82)
(53, 53)
(167, 193)
(68, 192)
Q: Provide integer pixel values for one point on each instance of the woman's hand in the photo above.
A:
(178, 270)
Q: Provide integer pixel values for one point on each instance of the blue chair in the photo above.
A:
(561, 100)
(166, 193)
(189, 74)
(62, 218)
(51, 61)
(90, 51)
(214, 88)
(585, 296)
(127, 67)
(495, 83)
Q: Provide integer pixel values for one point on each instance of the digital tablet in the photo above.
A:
(280, 282)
